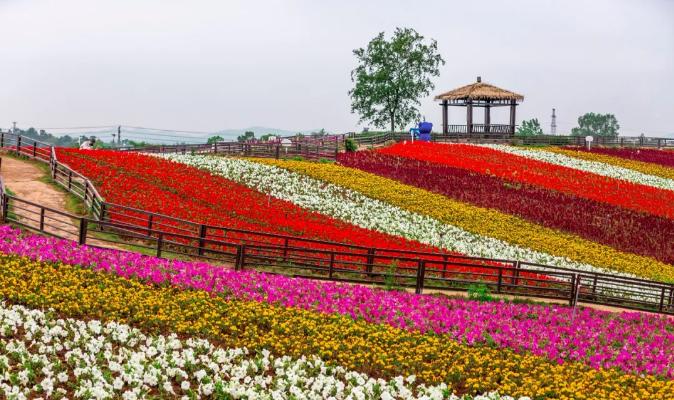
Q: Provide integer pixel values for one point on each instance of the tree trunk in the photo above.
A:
(392, 123)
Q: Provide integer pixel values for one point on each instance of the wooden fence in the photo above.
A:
(458, 136)
(306, 147)
(164, 234)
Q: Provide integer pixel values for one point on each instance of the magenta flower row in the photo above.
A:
(633, 342)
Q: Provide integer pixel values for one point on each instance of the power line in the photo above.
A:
(81, 127)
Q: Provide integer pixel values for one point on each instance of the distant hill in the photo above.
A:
(161, 136)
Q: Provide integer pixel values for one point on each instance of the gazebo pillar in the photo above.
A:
(469, 117)
(487, 117)
(445, 117)
(513, 104)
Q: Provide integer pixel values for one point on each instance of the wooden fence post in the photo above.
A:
(5, 207)
(202, 239)
(331, 267)
(70, 180)
(662, 299)
(83, 231)
(500, 280)
(240, 257)
(2, 139)
(149, 225)
(516, 274)
(42, 219)
(160, 241)
(285, 249)
(34, 149)
(421, 273)
(370, 261)
(18, 145)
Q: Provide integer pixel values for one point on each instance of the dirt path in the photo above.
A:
(25, 180)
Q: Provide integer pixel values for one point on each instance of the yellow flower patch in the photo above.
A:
(481, 221)
(379, 350)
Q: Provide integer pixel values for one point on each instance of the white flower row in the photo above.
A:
(594, 167)
(42, 356)
(360, 210)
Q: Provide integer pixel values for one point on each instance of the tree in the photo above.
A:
(391, 76)
(214, 139)
(319, 134)
(530, 128)
(268, 136)
(592, 124)
(247, 135)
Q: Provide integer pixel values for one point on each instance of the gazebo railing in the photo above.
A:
(481, 128)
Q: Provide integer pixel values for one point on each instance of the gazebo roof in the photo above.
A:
(479, 91)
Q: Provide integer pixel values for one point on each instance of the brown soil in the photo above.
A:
(24, 179)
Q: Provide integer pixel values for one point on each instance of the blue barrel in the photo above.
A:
(425, 127)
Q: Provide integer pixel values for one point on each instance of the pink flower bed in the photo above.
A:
(633, 342)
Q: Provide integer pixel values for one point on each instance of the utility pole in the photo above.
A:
(553, 125)
(119, 135)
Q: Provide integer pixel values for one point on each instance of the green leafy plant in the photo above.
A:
(350, 145)
(530, 128)
(389, 278)
(479, 292)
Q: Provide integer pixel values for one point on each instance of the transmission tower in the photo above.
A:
(553, 125)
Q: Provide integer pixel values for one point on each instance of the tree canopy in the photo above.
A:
(215, 139)
(391, 76)
(530, 128)
(592, 124)
(248, 135)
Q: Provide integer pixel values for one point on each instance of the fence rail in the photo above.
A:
(163, 234)
(497, 134)
(309, 148)
(439, 273)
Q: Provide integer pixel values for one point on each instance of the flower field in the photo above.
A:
(663, 158)
(160, 186)
(586, 179)
(535, 242)
(85, 322)
(625, 158)
(155, 327)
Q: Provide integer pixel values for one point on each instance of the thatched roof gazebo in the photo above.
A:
(479, 94)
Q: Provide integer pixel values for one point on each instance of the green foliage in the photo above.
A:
(592, 124)
(319, 134)
(247, 135)
(350, 145)
(45, 137)
(530, 128)
(390, 282)
(479, 292)
(391, 76)
(267, 136)
(215, 139)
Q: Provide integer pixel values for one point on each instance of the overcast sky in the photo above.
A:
(210, 65)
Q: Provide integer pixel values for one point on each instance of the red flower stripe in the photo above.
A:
(523, 170)
(189, 193)
(620, 228)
